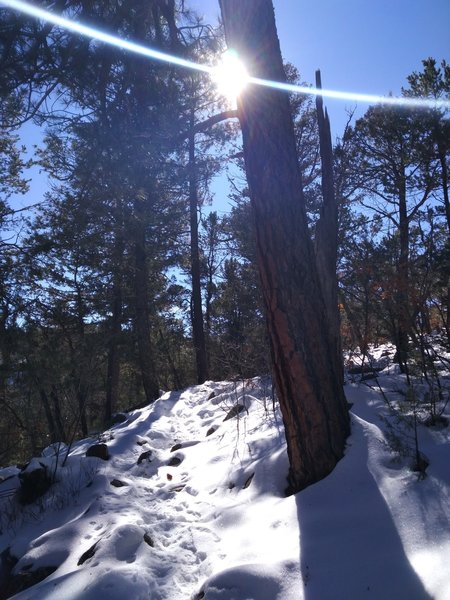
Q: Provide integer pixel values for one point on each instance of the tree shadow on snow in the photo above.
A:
(349, 545)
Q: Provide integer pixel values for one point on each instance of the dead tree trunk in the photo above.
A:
(326, 240)
(311, 397)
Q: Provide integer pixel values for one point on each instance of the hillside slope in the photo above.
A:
(190, 505)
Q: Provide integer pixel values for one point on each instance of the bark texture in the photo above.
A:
(311, 398)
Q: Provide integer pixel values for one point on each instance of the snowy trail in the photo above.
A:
(197, 507)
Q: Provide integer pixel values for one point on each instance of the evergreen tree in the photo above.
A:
(313, 403)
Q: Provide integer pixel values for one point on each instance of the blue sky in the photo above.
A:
(367, 46)
(359, 45)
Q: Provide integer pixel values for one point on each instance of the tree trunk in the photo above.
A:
(113, 367)
(311, 398)
(326, 240)
(402, 292)
(58, 415)
(444, 175)
(81, 394)
(48, 414)
(198, 332)
(142, 323)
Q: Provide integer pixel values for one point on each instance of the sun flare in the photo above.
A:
(230, 76)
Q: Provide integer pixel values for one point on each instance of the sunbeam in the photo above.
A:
(231, 76)
(107, 38)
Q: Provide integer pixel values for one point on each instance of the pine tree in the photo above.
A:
(312, 401)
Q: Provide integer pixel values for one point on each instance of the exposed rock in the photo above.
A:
(118, 483)
(98, 451)
(118, 418)
(176, 447)
(33, 484)
(178, 488)
(211, 430)
(88, 554)
(144, 456)
(248, 481)
(212, 395)
(235, 411)
(148, 540)
(175, 461)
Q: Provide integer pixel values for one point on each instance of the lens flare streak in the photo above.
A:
(107, 38)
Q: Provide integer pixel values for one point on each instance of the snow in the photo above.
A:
(215, 524)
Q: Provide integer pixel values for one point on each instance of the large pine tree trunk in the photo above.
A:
(311, 397)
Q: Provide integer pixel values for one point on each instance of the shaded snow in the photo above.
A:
(216, 522)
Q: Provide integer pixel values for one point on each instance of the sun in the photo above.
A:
(230, 76)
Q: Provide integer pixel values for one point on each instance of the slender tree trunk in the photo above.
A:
(49, 416)
(167, 351)
(113, 367)
(402, 295)
(311, 398)
(198, 332)
(445, 186)
(58, 415)
(142, 322)
(81, 394)
(444, 176)
(326, 240)
(354, 325)
(5, 350)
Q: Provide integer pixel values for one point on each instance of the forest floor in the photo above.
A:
(190, 505)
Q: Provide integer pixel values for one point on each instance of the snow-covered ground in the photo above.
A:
(203, 515)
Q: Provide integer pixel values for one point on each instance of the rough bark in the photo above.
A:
(311, 398)
(198, 332)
